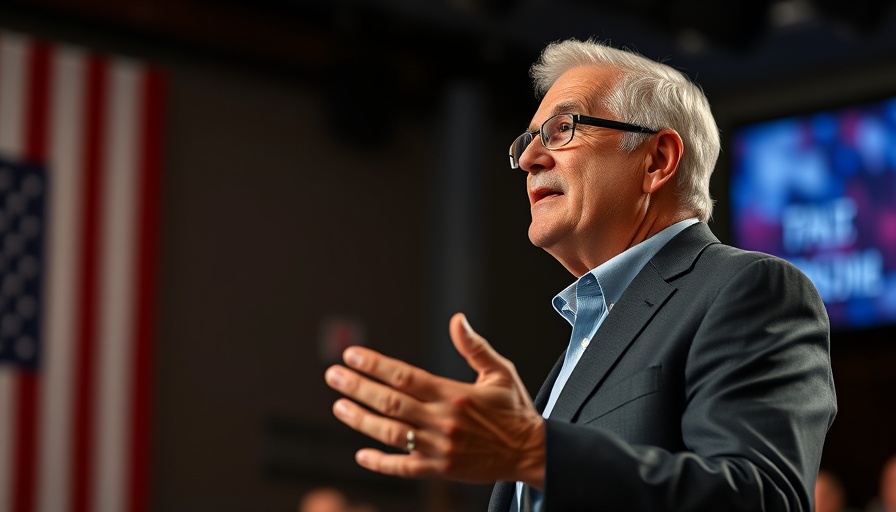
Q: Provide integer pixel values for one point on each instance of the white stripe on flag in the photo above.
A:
(116, 300)
(13, 56)
(63, 252)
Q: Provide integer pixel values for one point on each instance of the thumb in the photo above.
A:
(473, 348)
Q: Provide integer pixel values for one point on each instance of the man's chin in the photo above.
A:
(542, 236)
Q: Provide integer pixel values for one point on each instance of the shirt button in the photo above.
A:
(585, 342)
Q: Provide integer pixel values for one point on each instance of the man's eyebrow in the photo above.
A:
(567, 107)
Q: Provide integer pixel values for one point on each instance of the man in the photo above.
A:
(698, 375)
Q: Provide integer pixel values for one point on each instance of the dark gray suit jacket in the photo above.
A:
(708, 387)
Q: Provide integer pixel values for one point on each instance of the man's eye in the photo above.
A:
(564, 127)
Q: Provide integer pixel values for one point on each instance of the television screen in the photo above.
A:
(819, 189)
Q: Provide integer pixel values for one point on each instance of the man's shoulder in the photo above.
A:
(736, 256)
(731, 259)
(698, 248)
(700, 237)
(730, 253)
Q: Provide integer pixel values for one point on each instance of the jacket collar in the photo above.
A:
(640, 302)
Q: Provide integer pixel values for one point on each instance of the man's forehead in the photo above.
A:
(578, 90)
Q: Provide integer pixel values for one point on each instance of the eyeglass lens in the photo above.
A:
(557, 131)
(519, 145)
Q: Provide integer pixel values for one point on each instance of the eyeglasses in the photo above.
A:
(558, 131)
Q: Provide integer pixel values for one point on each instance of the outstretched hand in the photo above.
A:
(472, 432)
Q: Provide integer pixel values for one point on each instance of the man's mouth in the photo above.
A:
(540, 193)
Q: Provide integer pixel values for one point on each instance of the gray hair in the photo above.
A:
(651, 94)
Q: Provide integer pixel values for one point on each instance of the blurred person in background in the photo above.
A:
(330, 499)
(830, 494)
(886, 497)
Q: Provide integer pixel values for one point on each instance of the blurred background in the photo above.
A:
(205, 201)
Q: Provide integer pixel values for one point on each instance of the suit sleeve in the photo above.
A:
(759, 399)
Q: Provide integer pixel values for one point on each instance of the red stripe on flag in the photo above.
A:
(24, 441)
(24, 436)
(1, 73)
(1, 59)
(154, 86)
(28, 384)
(38, 103)
(95, 113)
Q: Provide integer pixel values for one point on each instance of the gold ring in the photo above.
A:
(411, 440)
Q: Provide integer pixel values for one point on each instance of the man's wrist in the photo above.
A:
(532, 461)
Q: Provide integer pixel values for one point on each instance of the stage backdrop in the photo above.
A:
(80, 140)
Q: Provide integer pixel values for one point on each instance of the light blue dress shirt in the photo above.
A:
(587, 302)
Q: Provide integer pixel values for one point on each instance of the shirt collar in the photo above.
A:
(614, 275)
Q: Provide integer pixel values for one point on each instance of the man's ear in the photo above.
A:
(665, 152)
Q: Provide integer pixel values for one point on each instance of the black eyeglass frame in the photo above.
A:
(576, 119)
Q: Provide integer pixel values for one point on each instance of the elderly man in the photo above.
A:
(697, 375)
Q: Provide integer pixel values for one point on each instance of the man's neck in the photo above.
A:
(581, 258)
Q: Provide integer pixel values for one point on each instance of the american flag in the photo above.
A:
(80, 142)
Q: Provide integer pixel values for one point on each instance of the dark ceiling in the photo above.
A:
(401, 49)
(721, 41)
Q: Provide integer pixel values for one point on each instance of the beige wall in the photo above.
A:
(269, 226)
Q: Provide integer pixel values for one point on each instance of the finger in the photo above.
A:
(385, 430)
(379, 397)
(399, 375)
(474, 349)
(408, 466)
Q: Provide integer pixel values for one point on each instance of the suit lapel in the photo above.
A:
(541, 399)
(640, 302)
(644, 297)
(502, 497)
